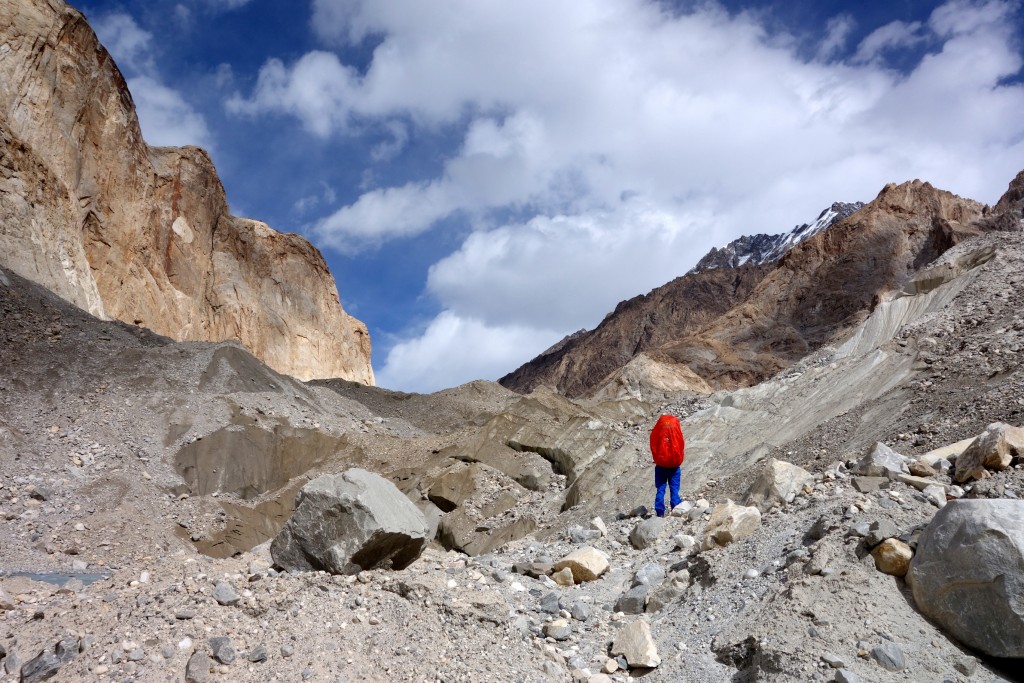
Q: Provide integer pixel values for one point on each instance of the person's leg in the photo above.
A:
(661, 475)
(673, 487)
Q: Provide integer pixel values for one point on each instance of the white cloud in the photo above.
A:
(165, 116)
(438, 358)
(837, 31)
(315, 90)
(626, 139)
(129, 43)
(895, 35)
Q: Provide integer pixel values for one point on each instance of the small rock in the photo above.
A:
(684, 542)
(40, 668)
(287, 651)
(730, 522)
(581, 611)
(632, 601)
(198, 668)
(882, 461)
(550, 603)
(846, 676)
(563, 577)
(225, 594)
(258, 654)
(559, 629)
(889, 656)
(650, 574)
(834, 661)
(222, 650)
(597, 524)
(879, 531)
(893, 557)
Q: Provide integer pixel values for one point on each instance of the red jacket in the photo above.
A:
(667, 444)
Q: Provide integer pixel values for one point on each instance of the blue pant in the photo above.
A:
(662, 476)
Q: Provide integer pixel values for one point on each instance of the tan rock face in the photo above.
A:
(143, 234)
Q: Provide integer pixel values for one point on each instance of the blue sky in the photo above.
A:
(485, 177)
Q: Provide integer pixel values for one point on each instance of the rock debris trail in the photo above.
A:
(144, 481)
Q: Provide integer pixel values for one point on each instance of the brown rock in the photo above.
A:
(143, 234)
(920, 468)
(892, 556)
(993, 449)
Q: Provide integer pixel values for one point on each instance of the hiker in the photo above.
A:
(667, 449)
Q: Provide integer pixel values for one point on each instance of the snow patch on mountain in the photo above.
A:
(761, 249)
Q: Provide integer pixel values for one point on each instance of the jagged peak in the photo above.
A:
(762, 248)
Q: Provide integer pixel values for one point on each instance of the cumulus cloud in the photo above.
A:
(165, 116)
(626, 138)
(430, 361)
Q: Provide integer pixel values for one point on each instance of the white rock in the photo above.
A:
(730, 522)
(634, 642)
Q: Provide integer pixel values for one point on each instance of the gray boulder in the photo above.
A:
(966, 574)
(882, 461)
(344, 523)
(646, 532)
(633, 600)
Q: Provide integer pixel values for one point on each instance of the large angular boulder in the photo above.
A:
(992, 450)
(634, 642)
(586, 564)
(779, 483)
(730, 522)
(344, 523)
(966, 574)
(882, 461)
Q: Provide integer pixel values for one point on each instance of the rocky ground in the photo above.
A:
(138, 467)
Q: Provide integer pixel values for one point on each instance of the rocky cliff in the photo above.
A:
(143, 234)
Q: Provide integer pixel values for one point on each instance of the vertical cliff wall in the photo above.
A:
(143, 234)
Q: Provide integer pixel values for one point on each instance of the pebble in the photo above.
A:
(258, 654)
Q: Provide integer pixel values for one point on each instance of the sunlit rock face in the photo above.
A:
(143, 234)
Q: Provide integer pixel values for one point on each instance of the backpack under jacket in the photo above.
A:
(667, 444)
